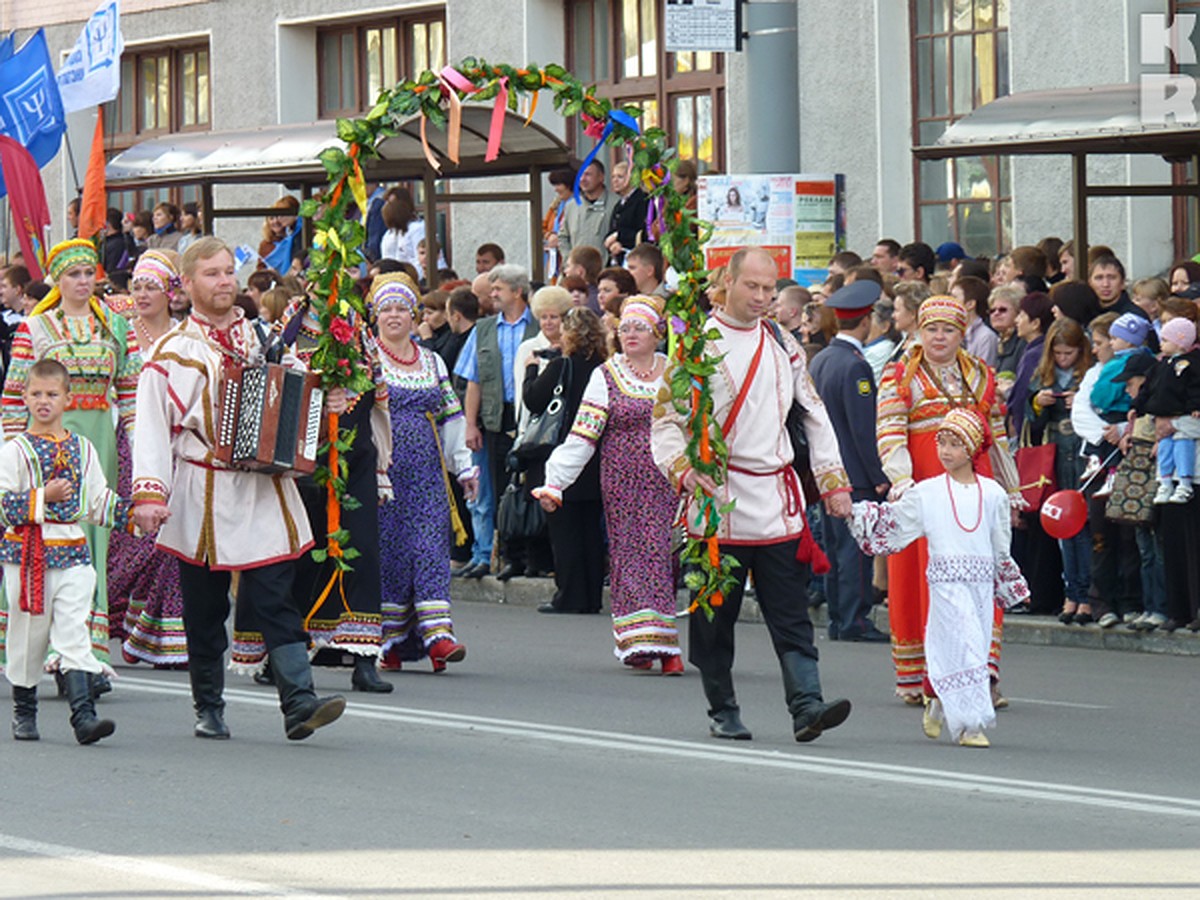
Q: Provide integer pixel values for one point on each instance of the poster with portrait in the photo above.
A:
(798, 219)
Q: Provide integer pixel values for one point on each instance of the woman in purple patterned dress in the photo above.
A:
(639, 504)
(144, 600)
(429, 432)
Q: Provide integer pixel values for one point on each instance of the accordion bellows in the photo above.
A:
(269, 419)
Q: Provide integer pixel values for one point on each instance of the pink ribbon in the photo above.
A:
(455, 80)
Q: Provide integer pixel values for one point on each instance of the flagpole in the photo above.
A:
(71, 157)
(7, 227)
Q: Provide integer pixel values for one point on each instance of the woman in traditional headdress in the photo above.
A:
(639, 503)
(429, 448)
(915, 395)
(100, 351)
(143, 582)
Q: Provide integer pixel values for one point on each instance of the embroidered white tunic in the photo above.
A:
(770, 505)
(969, 572)
(225, 518)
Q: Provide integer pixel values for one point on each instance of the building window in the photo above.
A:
(356, 62)
(1185, 211)
(163, 90)
(615, 45)
(960, 62)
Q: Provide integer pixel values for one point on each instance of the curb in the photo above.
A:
(1045, 631)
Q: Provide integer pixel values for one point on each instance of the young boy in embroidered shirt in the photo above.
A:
(966, 519)
(50, 481)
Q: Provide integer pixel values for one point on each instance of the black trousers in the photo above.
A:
(577, 539)
(266, 591)
(1178, 525)
(780, 583)
(1116, 562)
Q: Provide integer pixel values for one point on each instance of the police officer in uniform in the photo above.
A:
(846, 383)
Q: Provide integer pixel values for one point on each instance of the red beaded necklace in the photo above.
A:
(954, 506)
(395, 357)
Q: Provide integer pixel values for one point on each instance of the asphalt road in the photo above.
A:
(541, 768)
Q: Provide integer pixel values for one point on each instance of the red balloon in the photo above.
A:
(1064, 514)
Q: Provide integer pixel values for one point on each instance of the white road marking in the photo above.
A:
(1058, 703)
(1047, 792)
(148, 872)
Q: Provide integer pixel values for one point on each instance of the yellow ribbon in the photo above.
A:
(460, 532)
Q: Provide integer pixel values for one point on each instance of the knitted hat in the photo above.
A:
(966, 425)
(644, 309)
(942, 308)
(1130, 327)
(1181, 332)
(1037, 306)
(156, 266)
(75, 252)
(392, 288)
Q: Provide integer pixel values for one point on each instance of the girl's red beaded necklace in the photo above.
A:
(954, 506)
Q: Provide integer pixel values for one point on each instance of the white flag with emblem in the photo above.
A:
(92, 73)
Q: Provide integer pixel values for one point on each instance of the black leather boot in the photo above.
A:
(24, 723)
(725, 719)
(366, 679)
(88, 728)
(303, 711)
(802, 687)
(208, 684)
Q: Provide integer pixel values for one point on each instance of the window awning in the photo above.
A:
(1097, 119)
(1078, 122)
(287, 154)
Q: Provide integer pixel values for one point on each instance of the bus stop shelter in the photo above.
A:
(1075, 122)
(287, 155)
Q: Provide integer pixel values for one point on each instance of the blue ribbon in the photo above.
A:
(615, 117)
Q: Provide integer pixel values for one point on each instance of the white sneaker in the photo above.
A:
(1138, 623)
(1183, 493)
(1131, 617)
(1151, 621)
(1093, 466)
(1106, 489)
(1108, 620)
(1164, 492)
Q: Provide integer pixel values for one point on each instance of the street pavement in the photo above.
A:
(539, 767)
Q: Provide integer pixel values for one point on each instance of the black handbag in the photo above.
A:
(518, 515)
(546, 429)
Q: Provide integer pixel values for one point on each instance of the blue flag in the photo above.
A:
(280, 259)
(30, 106)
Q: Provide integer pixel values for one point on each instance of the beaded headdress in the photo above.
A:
(645, 309)
(968, 427)
(394, 287)
(156, 266)
(942, 308)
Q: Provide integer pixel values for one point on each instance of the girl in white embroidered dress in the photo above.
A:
(965, 518)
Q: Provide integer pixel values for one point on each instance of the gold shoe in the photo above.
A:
(931, 719)
(911, 699)
(974, 739)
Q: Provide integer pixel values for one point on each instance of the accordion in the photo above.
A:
(269, 419)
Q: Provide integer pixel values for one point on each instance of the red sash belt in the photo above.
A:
(33, 569)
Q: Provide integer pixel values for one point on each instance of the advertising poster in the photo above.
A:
(798, 219)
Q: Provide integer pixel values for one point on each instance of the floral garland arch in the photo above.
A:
(438, 97)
